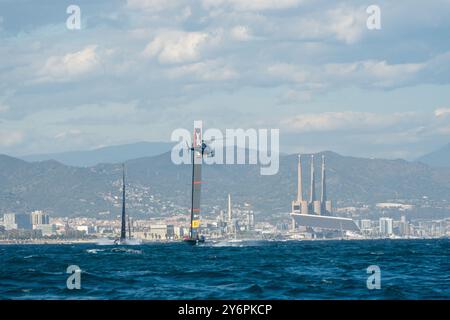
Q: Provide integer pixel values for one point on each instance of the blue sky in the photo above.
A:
(138, 69)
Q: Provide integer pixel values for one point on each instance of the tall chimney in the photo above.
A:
(313, 186)
(299, 180)
(323, 197)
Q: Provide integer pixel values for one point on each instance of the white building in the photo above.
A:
(87, 229)
(386, 226)
(38, 217)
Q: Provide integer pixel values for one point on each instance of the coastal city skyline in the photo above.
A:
(313, 216)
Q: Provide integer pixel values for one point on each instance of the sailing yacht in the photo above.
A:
(123, 240)
(199, 149)
(123, 229)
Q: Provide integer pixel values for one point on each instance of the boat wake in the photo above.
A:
(126, 242)
(237, 243)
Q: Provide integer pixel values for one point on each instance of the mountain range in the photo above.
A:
(110, 154)
(158, 187)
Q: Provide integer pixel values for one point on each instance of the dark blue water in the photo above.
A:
(264, 270)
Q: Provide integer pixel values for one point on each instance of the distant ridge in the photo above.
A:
(157, 186)
(438, 158)
(110, 154)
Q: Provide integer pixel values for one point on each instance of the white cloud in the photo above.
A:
(241, 33)
(252, 5)
(179, 46)
(442, 112)
(153, 5)
(347, 24)
(368, 73)
(343, 23)
(69, 66)
(391, 72)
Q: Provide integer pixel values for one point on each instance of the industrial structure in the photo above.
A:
(313, 206)
(314, 213)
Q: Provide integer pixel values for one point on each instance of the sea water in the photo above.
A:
(409, 269)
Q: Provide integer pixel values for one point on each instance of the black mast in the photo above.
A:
(123, 233)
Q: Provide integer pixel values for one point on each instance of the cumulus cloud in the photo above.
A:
(345, 24)
(69, 66)
(252, 5)
(176, 46)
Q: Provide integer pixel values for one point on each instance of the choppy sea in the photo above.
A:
(409, 269)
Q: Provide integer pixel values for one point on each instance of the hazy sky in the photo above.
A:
(138, 69)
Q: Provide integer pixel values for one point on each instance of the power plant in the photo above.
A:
(313, 206)
(315, 213)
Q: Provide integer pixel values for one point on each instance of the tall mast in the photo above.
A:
(199, 149)
(197, 157)
(192, 194)
(123, 233)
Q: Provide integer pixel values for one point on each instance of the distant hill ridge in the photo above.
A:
(110, 154)
(155, 182)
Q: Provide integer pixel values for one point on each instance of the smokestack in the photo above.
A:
(229, 208)
(323, 197)
(299, 180)
(313, 186)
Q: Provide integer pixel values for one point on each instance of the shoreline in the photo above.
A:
(95, 242)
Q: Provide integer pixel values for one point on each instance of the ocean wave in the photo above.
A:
(275, 270)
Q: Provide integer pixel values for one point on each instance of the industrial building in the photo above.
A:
(316, 213)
